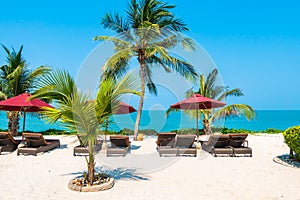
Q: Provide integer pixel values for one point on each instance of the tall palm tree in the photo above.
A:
(16, 79)
(209, 88)
(146, 34)
(77, 113)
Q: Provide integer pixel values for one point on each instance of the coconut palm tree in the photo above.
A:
(209, 88)
(147, 35)
(16, 79)
(77, 113)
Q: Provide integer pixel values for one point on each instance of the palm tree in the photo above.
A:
(208, 88)
(16, 79)
(77, 113)
(146, 34)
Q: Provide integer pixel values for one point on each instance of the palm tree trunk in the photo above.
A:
(291, 153)
(13, 122)
(91, 164)
(141, 60)
(206, 127)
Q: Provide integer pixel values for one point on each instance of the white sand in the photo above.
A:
(46, 176)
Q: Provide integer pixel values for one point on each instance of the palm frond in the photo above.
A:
(58, 86)
(115, 23)
(182, 67)
(234, 110)
(118, 61)
(148, 77)
(237, 92)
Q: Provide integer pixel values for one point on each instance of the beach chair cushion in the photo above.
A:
(237, 140)
(166, 139)
(6, 139)
(119, 141)
(185, 141)
(35, 139)
(4, 142)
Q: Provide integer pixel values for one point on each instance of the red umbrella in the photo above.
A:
(23, 103)
(197, 102)
(124, 109)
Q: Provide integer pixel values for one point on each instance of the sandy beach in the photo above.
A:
(142, 174)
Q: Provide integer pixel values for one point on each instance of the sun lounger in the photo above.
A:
(8, 143)
(185, 145)
(120, 146)
(239, 144)
(35, 143)
(166, 144)
(82, 149)
(218, 145)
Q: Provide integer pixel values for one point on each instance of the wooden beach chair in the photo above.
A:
(82, 148)
(166, 144)
(239, 144)
(8, 143)
(218, 145)
(120, 146)
(185, 145)
(35, 143)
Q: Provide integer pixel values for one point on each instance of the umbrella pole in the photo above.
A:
(23, 125)
(197, 129)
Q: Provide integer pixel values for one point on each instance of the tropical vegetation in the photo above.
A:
(77, 113)
(16, 78)
(147, 33)
(209, 88)
(292, 139)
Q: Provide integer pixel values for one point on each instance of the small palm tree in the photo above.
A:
(208, 88)
(146, 34)
(16, 79)
(77, 113)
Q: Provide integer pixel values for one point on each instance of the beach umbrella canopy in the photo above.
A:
(197, 102)
(23, 103)
(124, 109)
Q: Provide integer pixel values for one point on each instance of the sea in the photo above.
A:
(157, 120)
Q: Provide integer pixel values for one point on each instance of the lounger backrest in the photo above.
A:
(166, 139)
(4, 140)
(119, 141)
(186, 141)
(218, 141)
(82, 143)
(35, 139)
(7, 139)
(236, 140)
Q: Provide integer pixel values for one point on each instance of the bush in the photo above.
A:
(186, 131)
(272, 131)
(233, 130)
(56, 132)
(292, 139)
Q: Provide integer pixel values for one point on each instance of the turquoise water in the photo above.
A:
(156, 119)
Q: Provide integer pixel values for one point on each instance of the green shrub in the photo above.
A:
(272, 131)
(186, 131)
(292, 139)
(56, 132)
(225, 130)
(148, 132)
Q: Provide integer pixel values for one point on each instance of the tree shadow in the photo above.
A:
(134, 147)
(62, 146)
(122, 173)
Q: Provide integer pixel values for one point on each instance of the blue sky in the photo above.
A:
(255, 44)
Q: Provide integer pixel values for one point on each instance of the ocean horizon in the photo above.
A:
(157, 120)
